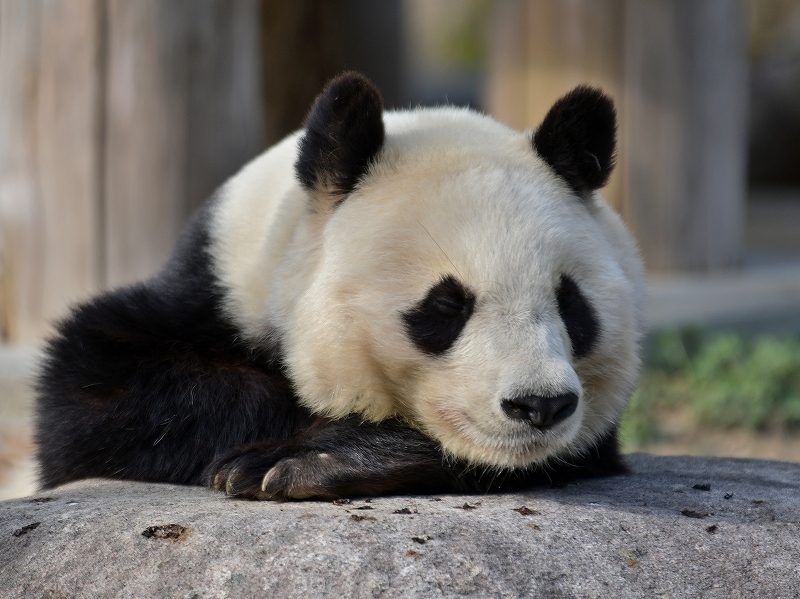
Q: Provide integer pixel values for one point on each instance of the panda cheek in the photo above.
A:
(579, 317)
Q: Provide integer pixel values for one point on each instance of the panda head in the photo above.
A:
(461, 275)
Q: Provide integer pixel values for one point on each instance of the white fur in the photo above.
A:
(452, 193)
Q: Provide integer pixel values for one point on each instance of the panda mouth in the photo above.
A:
(522, 447)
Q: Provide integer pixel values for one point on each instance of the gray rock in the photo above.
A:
(679, 527)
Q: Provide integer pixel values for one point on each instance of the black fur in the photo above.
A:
(344, 133)
(436, 322)
(350, 457)
(150, 382)
(578, 138)
(578, 316)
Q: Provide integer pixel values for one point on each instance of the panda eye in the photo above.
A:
(450, 306)
(578, 316)
(435, 323)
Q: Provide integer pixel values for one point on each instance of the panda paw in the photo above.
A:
(273, 473)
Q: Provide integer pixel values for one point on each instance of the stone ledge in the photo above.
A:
(657, 533)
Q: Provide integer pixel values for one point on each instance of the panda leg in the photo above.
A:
(350, 458)
(335, 459)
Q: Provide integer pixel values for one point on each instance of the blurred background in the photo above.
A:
(119, 117)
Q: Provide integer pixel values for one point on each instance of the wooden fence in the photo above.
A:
(678, 72)
(119, 117)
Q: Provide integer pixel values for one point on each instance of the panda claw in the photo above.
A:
(266, 480)
(299, 475)
(229, 489)
(278, 482)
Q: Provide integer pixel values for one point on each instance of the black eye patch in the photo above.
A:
(435, 323)
(578, 316)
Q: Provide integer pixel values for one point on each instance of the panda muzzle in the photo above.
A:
(541, 412)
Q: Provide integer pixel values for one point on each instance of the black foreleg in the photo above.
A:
(341, 458)
(347, 458)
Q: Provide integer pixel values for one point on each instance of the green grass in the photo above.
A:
(723, 380)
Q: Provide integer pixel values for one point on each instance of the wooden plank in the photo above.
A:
(20, 205)
(184, 112)
(303, 47)
(145, 135)
(685, 114)
(48, 160)
(104, 154)
(69, 151)
(541, 49)
(226, 99)
(678, 73)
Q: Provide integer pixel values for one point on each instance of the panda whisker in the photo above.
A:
(440, 248)
(506, 473)
(491, 472)
(467, 470)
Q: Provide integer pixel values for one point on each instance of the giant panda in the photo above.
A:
(420, 301)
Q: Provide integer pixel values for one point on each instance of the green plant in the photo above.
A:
(722, 380)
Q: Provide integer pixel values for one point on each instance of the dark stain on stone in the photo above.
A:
(26, 529)
(342, 501)
(404, 510)
(702, 487)
(422, 540)
(170, 532)
(42, 499)
(467, 507)
(727, 496)
(694, 514)
(526, 511)
(364, 507)
(711, 529)
(412, 553)
(358, 518)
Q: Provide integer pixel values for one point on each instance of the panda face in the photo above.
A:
(467, 289)
(437, 266)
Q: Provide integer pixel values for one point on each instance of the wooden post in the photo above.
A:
(544, 48)
(685, 117)
(184, 112)
(303, 48)
(678, 72)
(146, 135)
(49, 157)
(117, 118)
(226, 93)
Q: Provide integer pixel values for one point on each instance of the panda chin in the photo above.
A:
(521, 446)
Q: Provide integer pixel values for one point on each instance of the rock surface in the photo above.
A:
(679, 527)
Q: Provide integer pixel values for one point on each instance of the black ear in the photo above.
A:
(578, 138)
(344, 132)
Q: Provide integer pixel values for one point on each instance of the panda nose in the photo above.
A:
(541, 412)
